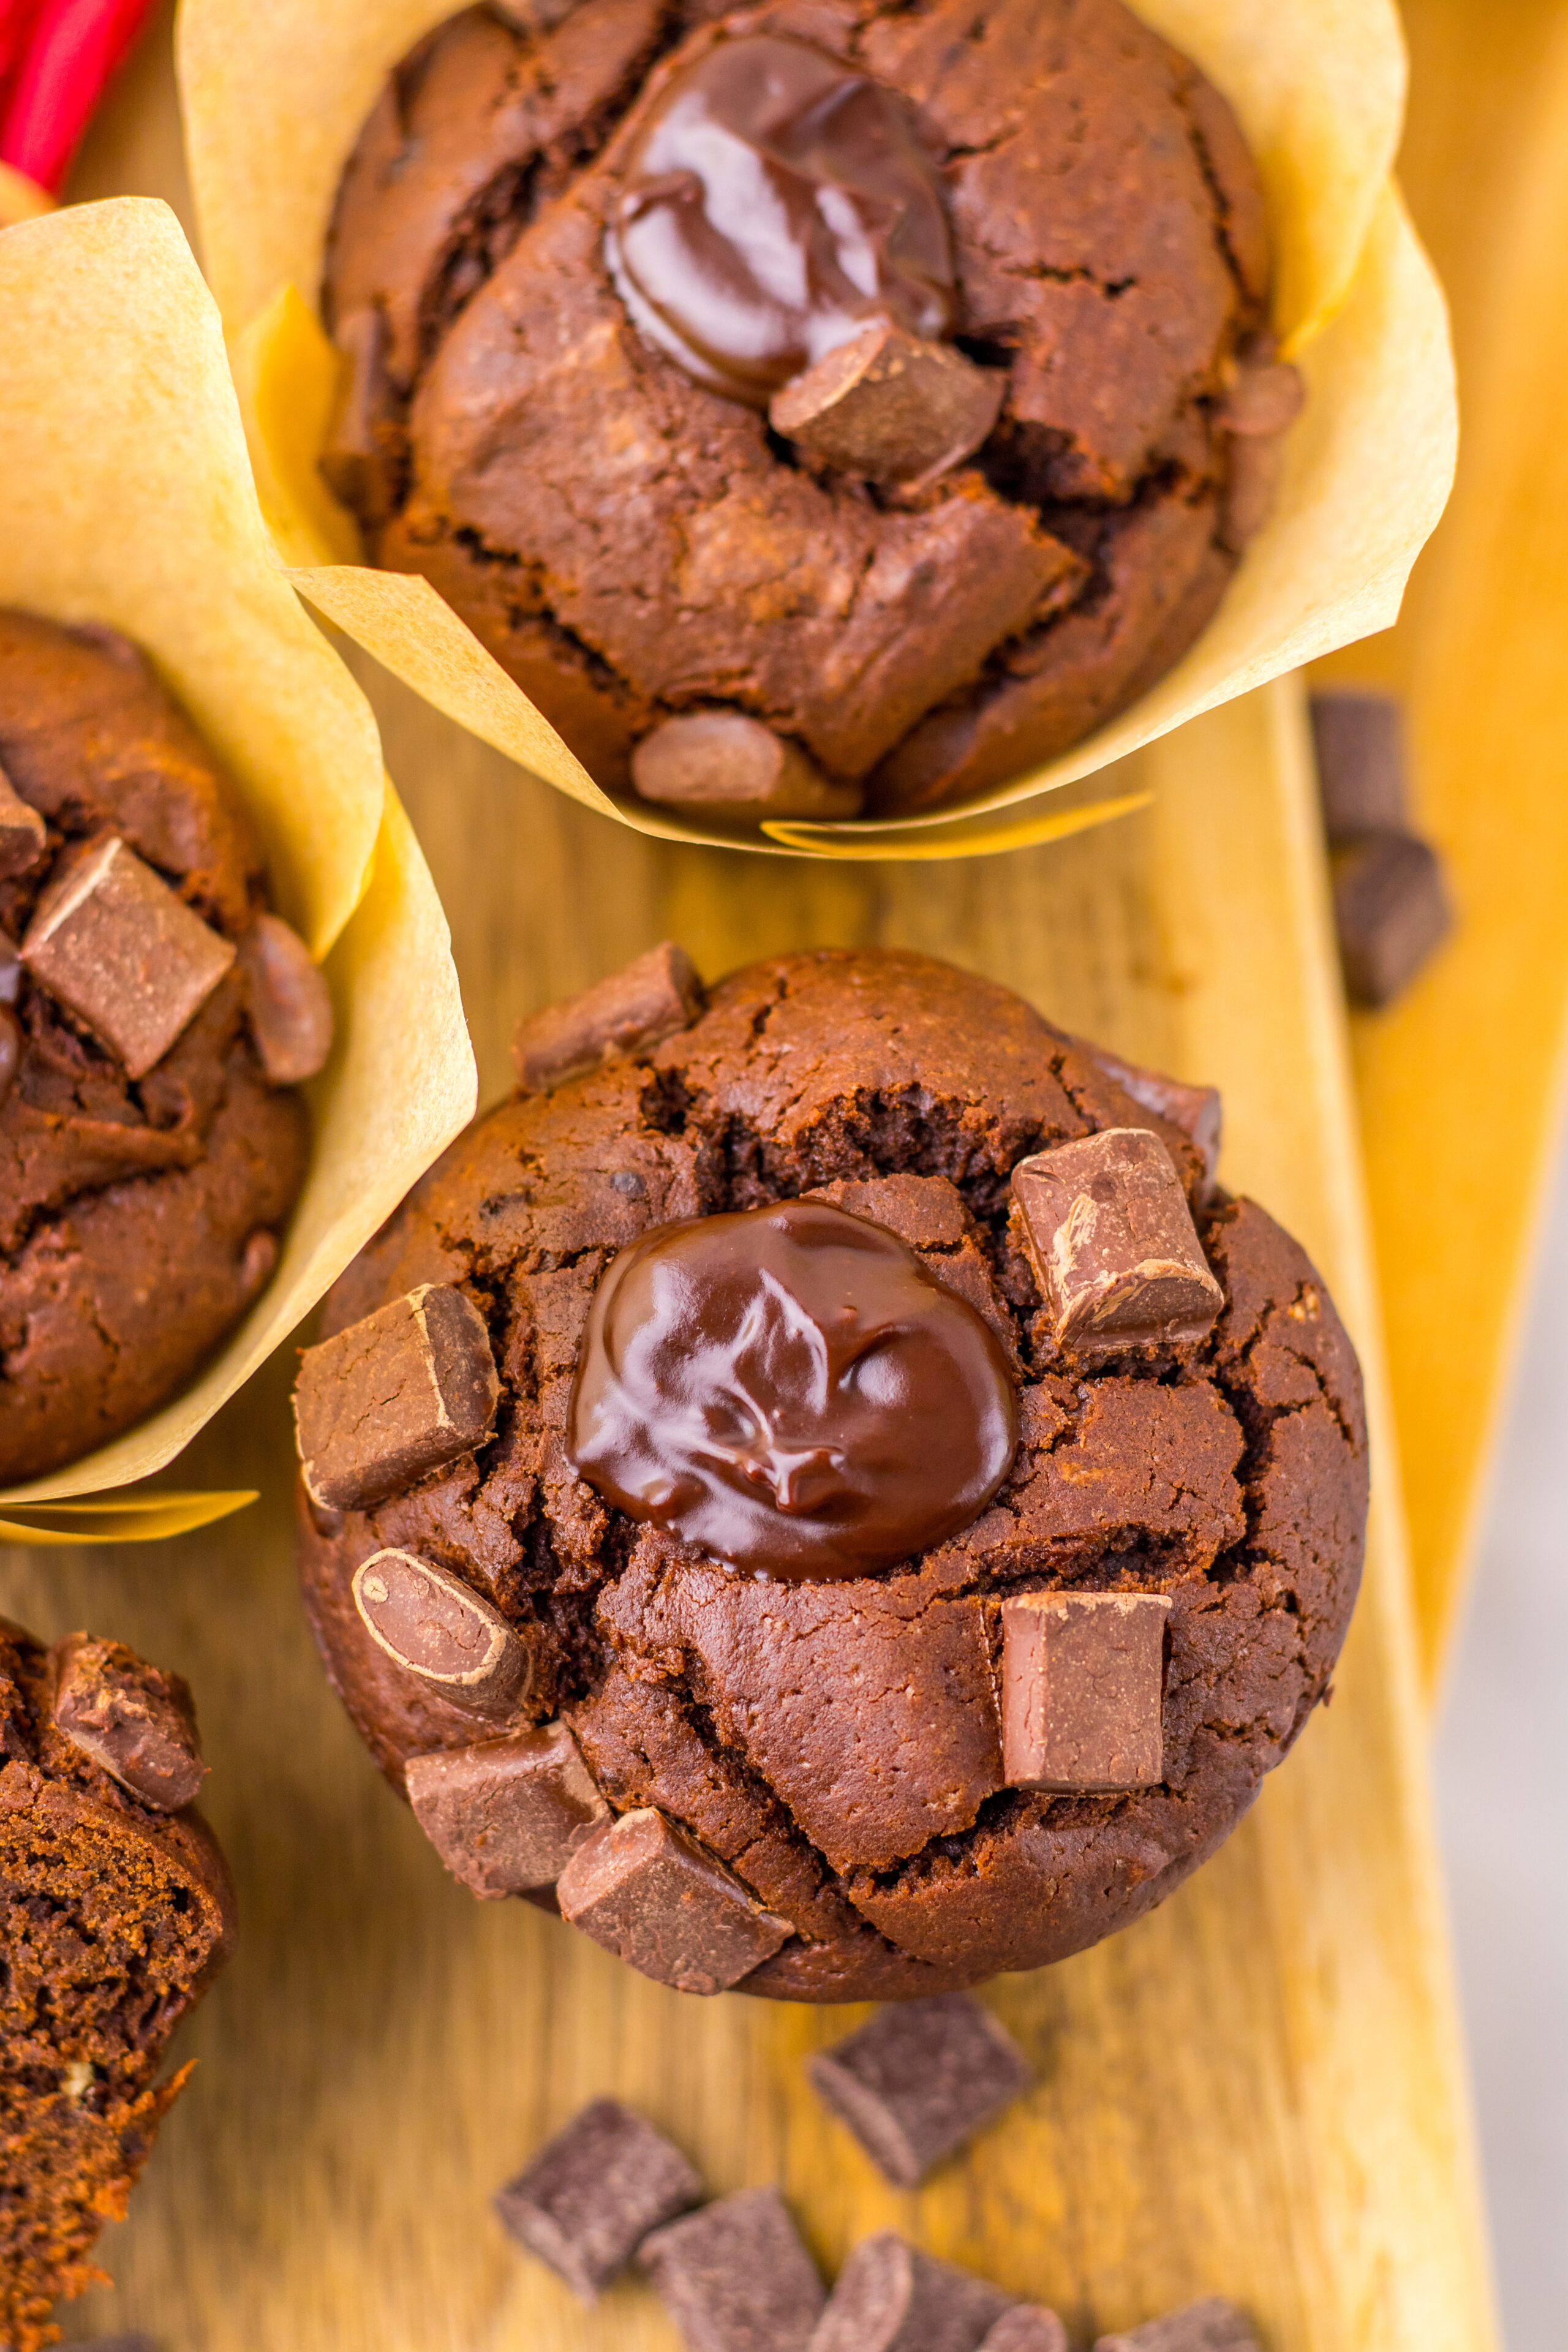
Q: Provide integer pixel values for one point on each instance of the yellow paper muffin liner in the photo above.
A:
(274, 98)
(126, 497)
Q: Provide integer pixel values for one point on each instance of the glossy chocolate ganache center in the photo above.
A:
(789, 1389)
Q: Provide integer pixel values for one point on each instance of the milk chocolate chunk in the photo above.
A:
(287, 998)
(1390, 911)
(1113, 1245)
(1027, 2327)
(114, 944)
(917, 2081)
(506, 1815)
(646, 1891)
(434, 1625)
(723, 760)
(892, 2297)
(23, 836)
(365, 453)
(393, 1397)
(593, 2193)
(1211, 2325)
(1083, 1677)
(735, 2276)
(133, 1721)
(888, 406)
(1197, 1110)
(647, 999)
(1359, 739)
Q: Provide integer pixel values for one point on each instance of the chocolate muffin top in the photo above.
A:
(577, 1694)
(566, 326)
(153, 1015)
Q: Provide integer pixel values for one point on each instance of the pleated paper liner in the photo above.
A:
(274, 98)
(127, 498)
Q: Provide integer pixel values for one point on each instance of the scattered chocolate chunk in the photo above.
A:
(730, 763)
(10, 971)
(1027, 2327)
(1391, 910)
(647, 999)
(133, 1721)
(892, 2297)
(287, 998)
(10, 1050)
(735, 2276)
(1211, 2325)
(917, 2081)
(1265, 395)
(1083, 1690)
(257, 1260)
(363, 456)
(436, 1626)
(888, 406)
(646, 1891)
(393, 1397)
(1253, 484)
(1112, 1242)
(114, 944)
(1197, 1110)
(23, 834)
(506, 1814)
(1360, 743)
(593, 2193)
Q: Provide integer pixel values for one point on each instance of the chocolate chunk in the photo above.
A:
(648, 1893)
(1027, 2327)
(119, 950)
(434, 1625)
(723, 761)
(393, 1397)
(1264, 397)
(506, 1814)
(1112, 1243)
(129, 1718)
(1211, 2325)
(919, 2079)
(892, 2297)
(1083, 1679)
(10, 971)
(10, 1050)
(1197, 1110)
(736, 2277)
(363, 457)
(1360, 743)
(1390, 911)
(647, 999)
(257, 1260)
(287, 998)
(890, 407)
(593, 2193)
(23, 835)
(1251, 487)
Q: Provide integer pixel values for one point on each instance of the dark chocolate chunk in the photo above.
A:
(132, 1720)
(890, 407)
(1390, 911)
(10, 1050)
(1112, 1242)
(666, 1905)
(1083, 1690)
(724, 760)
(919, 2079)
(393, 1397)
(1197, 1110)
(892, 2297)
(434, 1625)
(1211, 2325)
(735, 2276)
(1027, 2327)
(790, 1388)
(363, 457)
(506, 1814)
(591, 2194)
(1359, 742)
(650, 998)
(23, 835)
(113, 943)
(287, 998)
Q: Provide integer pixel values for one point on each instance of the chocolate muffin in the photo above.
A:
(154, 1018)
(823, 1486)
(117, 1912)
(837, 403)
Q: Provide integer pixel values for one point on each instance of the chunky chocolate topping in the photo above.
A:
(777, 201)
(790, 1388)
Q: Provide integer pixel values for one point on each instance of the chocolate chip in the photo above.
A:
(132, 1721)
(1360, 743)
(733, 764)
(256, 1260)
(1251, 487)
(506, 1815)
(363, 456)
(434, 1625)
(888, 406)
(892, 2297)
(1211, 2325)
(627, 1180)
(394, 1396)
(1197, 1110)
(1083, 1690)
(1390, 911)
(23, 835)
(593, 2193)
(915, 2082)
(287, 999)
(1027, 2327)
(1112, 1239)
(1264, 397)
(10, 971)
(114, 944)
(736, 2277)
(667, 1906)
(650, 998)
(10, 1050)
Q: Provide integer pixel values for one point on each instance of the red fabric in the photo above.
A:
(75, 47)
(18, 21)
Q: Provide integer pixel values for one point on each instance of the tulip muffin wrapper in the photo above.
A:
(129, 500)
